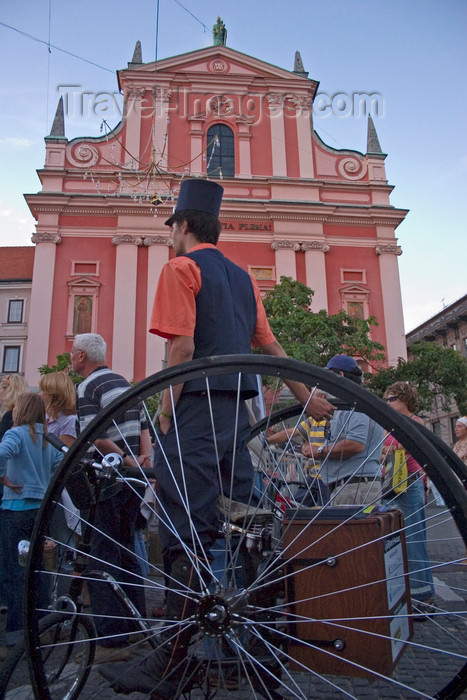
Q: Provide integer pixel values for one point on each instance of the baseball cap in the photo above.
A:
(344, 363)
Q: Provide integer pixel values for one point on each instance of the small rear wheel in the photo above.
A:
(66, 655)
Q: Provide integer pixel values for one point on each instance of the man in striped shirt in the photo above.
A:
(114, 536)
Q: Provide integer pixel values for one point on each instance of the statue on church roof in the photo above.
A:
(219, 33)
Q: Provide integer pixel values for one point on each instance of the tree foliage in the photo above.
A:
(316, 337)
(63, 364)
(438, 373)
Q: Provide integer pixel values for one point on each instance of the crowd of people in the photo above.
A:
(205, 305)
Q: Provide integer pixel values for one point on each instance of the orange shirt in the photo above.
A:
(174, 309)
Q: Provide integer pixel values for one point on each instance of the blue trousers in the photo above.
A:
(16, 525)
(412, 504)
(192, 465)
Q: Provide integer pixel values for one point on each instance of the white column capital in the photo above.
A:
(46, 238)
(162, 94)
(284, 245)
(135, 92)
(318, 246)
(157, 240)
(389, 249)
(302, 103)
(128, 239)
(275, 101)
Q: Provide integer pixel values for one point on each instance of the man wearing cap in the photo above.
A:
(350, 457)
(205, 305)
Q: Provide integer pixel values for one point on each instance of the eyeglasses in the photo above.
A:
(390, 399)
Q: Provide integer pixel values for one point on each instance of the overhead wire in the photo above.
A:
(56, 48)
(81, 58)
(51, 46)
(190, 13)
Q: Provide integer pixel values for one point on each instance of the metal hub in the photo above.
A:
(213, 615)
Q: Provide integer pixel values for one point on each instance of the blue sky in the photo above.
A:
(411, 53)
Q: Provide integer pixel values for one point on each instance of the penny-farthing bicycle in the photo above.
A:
(302, 600)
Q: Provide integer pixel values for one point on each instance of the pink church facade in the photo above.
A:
(292, 205)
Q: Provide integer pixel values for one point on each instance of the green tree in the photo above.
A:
(63, 364)
(316, 337)
(438, 373)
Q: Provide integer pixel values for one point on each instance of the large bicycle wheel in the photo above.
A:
(289, 601)
(67, 650)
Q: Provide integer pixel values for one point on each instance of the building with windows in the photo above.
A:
(447, 328)
(292, 205)
(16, 265)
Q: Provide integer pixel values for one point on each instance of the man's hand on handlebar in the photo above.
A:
(319, 408)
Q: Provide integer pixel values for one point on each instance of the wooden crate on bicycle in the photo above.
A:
(347, 590)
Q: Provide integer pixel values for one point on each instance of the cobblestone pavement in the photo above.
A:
(436, 669)
(451, 590)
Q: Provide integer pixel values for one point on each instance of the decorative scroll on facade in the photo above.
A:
(352, 168)
(83, 155)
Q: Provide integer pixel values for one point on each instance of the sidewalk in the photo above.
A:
(436, 670)
(445, 545)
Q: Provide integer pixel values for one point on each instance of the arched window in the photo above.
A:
(220, 153)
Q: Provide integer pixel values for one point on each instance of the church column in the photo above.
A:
(392, 303)
(133, 124)
(302, 116)
(244, 149)
(40, 310)
(315, 267)
(197, 164)
(158, 255)
(276, 120)
(161, 125)
(123, 340)
(285, 258)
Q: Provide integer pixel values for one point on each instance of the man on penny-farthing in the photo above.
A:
(204, 305)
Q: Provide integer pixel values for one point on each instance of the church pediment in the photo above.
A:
(354, 289)
(85, 282)
(217, 60)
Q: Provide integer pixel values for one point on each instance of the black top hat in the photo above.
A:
(199, 195)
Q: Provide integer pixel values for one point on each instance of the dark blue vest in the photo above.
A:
(225, 318)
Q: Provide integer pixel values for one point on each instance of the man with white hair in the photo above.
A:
(114, 536)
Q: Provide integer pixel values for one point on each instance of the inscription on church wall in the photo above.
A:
(247, 226)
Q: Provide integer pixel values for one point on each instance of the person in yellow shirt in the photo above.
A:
(312, 432)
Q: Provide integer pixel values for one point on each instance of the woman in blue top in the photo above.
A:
(26, 464)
